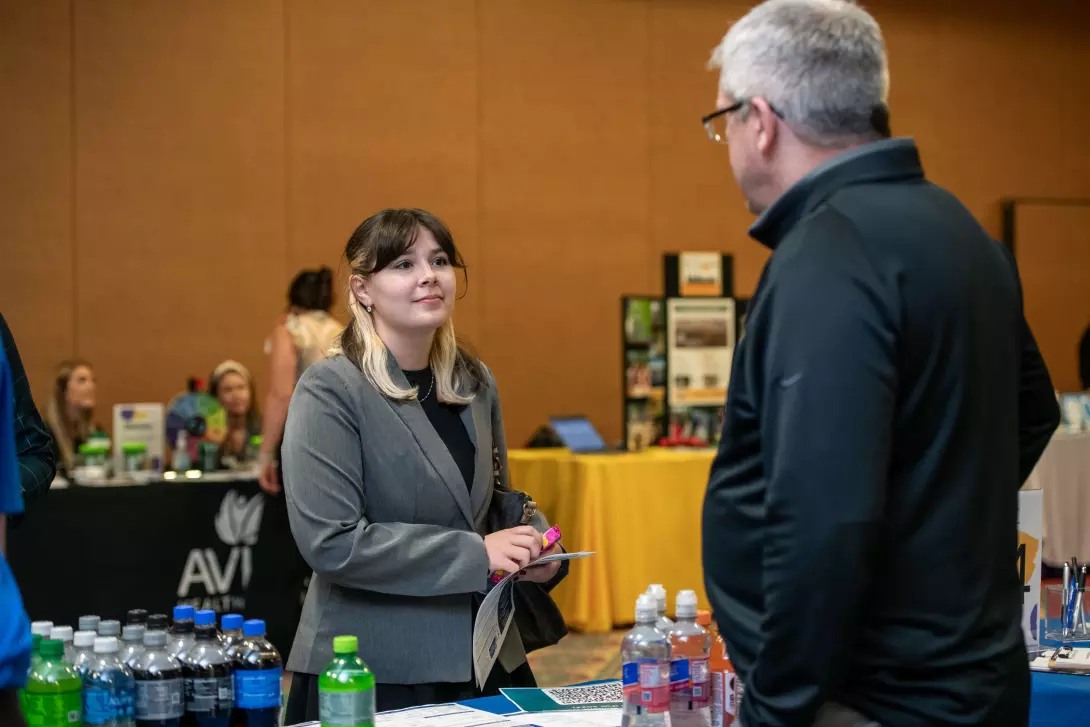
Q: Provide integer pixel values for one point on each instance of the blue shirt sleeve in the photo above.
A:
(11, 495)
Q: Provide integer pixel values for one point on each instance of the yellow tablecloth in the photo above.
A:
(639, 512)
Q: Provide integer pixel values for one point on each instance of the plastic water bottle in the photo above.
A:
(108, 689)
(662, 623)
(209, 687)
(231, 634)
(258, 669)
(690, 649)
(132, 643)
(158, 622)
(110, 627)
(64, 634)
(136, 616)
(346, 689)
(645, 670)
(41, 628)
(53, 691)
(88, 623)
(83, 651)
(35, 649)
(160, 687)
(182, 631)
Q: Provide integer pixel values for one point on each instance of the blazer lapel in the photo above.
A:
(433, 447)
(478, 420)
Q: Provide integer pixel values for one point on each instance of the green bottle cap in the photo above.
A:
(134, 448)
(36, 644)
(52, 649)
(345, 644)
(92, 448)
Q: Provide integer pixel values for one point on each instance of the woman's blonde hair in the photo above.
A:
(66, 431)
(375, 244)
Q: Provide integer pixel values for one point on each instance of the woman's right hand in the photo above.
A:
(267, 477)
(513, 549)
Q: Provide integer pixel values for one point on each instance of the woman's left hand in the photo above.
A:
(542, 573)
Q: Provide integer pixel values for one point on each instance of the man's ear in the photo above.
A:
(767, 128)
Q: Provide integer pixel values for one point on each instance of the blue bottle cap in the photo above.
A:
(253, 627)
(204, 617)
(182, 613)
(231, 621)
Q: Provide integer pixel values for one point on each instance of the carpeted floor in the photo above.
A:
(579, 658)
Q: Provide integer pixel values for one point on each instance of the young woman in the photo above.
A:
(71, 409)
(233, 386)
(302, 337)
(388, 467)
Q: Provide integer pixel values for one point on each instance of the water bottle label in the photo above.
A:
(209, 694)
(53, 710)
(724, 701)
(679, 676)
(646, 683)
(159, 700)
(347, 709)
(104, 705)
(258, 689)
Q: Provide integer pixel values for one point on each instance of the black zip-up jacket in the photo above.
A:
(886, 403)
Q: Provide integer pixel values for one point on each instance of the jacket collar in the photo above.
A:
(880, 161)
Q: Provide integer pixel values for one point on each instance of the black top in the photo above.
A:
(447, 420)
(886, 403)
(33, 444)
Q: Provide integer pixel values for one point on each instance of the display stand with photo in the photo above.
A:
(643, 351)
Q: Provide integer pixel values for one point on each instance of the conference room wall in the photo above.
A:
(169, 166)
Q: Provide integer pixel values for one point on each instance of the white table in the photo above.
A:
(1063, 473)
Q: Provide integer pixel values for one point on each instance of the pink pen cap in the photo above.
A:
(548, 540)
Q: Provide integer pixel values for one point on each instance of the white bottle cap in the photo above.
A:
(42, 628)
(645, 608)
(659, 592)
(686, 604)
(83, 639)
(61, 633)
(106, 645)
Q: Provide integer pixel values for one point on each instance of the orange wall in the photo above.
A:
(166, 167)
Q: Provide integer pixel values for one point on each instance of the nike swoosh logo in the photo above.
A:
(790, 380)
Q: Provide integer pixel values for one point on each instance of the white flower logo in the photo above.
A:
(239, 519)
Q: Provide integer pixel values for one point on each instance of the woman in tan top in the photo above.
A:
(301, 337)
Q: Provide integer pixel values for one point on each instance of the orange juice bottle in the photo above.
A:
(726, 687)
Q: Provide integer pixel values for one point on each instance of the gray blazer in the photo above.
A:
(380, 511)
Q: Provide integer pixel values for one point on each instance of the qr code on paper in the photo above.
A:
(593, 694)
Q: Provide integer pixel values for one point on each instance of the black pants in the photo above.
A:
(303, 694)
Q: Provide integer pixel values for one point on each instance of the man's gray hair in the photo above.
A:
(820, 63)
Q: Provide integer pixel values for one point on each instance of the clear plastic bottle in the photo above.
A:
(109, 692)
(258, 671)
(181, 631)
(346, 688)
(645, 670)
(64, 634)
(158, 622)
(83, 651)
(690, 649)
(42, 628)
(160, 686)
(88, 623)
(136, 616)
(726, 686)
(110, 627)
(209, 686)
(132, 643)
(662, 622)
(53, 691)
(231, 633)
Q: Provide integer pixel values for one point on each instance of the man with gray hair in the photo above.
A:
(886, 403)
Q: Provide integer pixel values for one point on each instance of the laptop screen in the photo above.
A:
(578, 434)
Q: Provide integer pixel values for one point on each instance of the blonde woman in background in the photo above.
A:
(301, 338)
(232, 384)
(71, 408)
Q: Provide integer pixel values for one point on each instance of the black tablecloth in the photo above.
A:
(104, 550)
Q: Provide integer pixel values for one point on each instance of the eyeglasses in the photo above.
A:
(715, 123)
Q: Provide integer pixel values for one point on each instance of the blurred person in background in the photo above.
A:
(302, 337)
(885, 405)
(33, 445)
(233, 386)
(71, 410)
(14, 625)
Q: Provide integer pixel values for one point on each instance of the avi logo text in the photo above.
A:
(223, 579)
